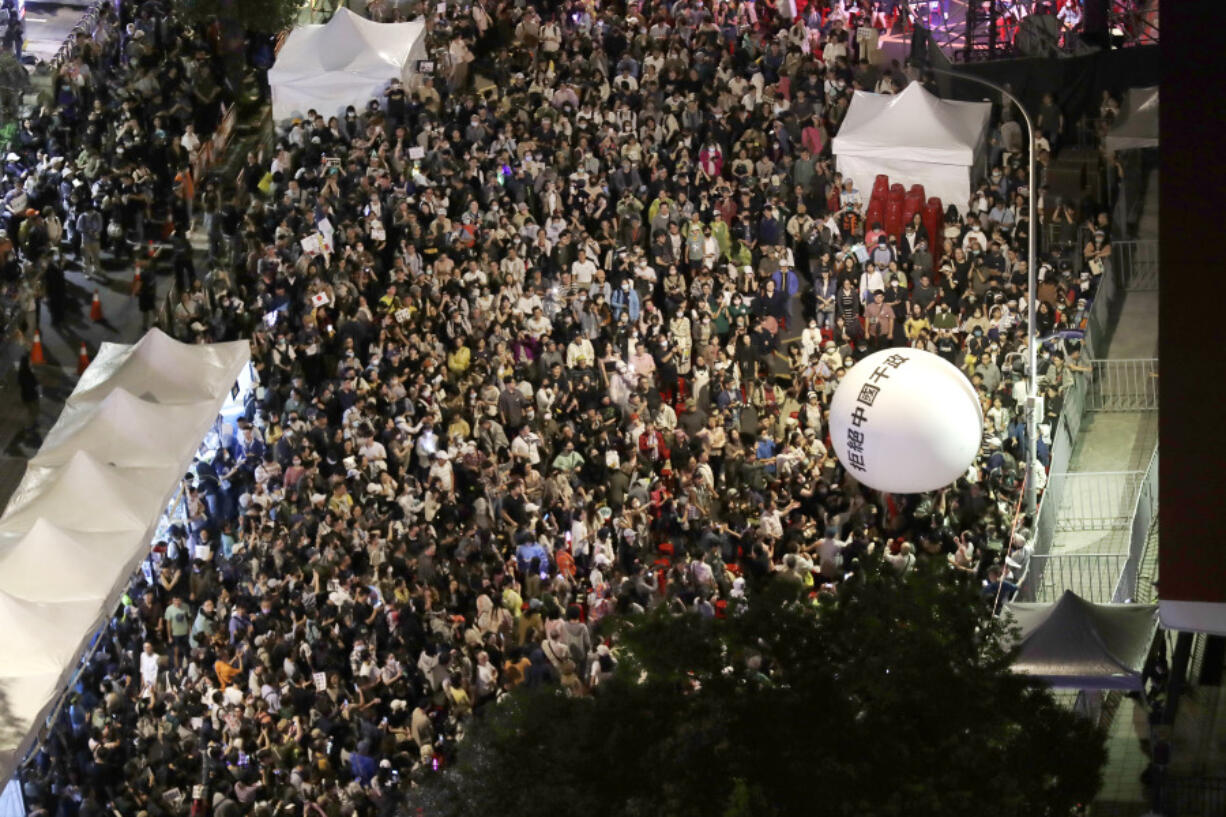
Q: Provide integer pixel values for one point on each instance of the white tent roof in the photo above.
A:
(78, 560)
(349, 43)
(84, 494)
(1077, 644)
(913, 125)
(160, 369)
(1137, 125)
(31, 634)
(83, 515)
(122, 428)
(345, 61)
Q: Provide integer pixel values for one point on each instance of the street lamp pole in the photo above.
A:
(1032, 375)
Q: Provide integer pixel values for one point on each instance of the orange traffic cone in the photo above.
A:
(136, 282)
(83, 359)
(36, 349)
(95, 309)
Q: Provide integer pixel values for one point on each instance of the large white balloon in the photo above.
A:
(905, 421)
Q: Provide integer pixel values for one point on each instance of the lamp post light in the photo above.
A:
(1032, 377)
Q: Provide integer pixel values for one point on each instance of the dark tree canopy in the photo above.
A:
(263, 16)
(895, 698)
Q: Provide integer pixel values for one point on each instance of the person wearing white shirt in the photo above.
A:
(427, 443)
(372, 449)
(583, 269)
(870, 281)
(189, 140)
(811, 341)
(830, 555)
(538, 325)
(513, 265)
(580, 353)
(150, 666)
(526, 447)
(710, 250)
(976, 233)
(528, 303)
(441, 470)
(554, 227)
(769, 524)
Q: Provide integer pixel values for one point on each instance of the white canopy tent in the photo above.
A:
(347, 61)
(1137, 124)
(914, 138)
(82, 518)
(121, 428)
(1076, 644)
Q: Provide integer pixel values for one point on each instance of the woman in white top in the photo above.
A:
(190, 141)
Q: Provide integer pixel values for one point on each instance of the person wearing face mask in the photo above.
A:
(625, 300)
(973, 232)
(976, 343)
(348, 126)
(282, 360)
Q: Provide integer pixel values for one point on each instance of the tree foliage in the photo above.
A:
(895, 698)
(262, 16)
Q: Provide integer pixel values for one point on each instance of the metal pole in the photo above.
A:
(1032, 377)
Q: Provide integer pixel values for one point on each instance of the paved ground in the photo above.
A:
(1124, 442)
(47, 24)
(121, 324)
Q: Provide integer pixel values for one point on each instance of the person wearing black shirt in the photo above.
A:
(947, 346)
(896, 297)
(249, 177)
(924, 294)
(666, 366)
(513, 509)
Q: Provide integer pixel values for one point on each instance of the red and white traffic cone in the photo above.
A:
(82, 359)
(95, 309)
(36, 349)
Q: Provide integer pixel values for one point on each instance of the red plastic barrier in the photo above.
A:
(934, 221)
(893, 218)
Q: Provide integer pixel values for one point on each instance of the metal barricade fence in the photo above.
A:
(1084, 236)
(1092, 576)
(1193, 796)
(1145, 510)
(1135, 264)
(1072, 414)
(1049, 503)
(1096, 501)
(1099, 322)
(1123, 385)
(86, 25)
(1076, 501)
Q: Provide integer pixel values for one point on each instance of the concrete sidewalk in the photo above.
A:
(1119, 441)
(1123, 441)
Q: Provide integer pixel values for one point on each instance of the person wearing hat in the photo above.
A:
(33, 238)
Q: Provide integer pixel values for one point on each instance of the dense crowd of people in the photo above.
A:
(549, 337)
(105, 167)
